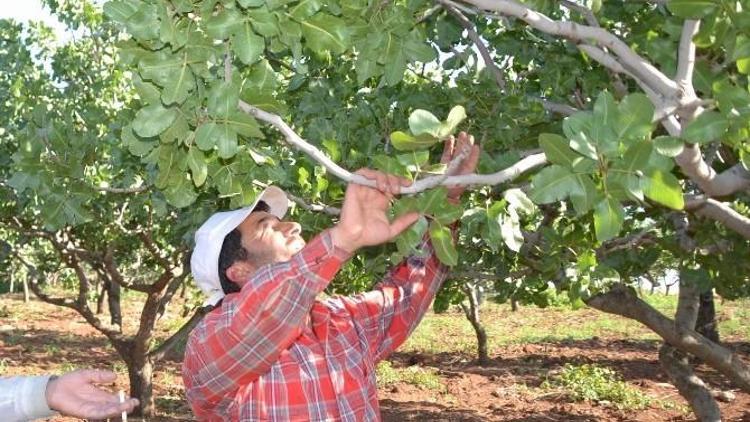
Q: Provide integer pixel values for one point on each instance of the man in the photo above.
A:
(72, 394)
(271, 351)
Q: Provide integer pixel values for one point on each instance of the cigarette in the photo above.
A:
(122, 400)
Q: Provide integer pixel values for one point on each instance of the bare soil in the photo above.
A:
(39, 338)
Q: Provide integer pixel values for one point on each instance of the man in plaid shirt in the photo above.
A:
(271, 350)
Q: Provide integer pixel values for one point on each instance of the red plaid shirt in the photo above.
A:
(272, 352)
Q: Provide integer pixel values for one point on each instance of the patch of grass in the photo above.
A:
(600, 385)
(425, 378)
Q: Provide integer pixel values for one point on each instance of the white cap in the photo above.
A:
(204, 263)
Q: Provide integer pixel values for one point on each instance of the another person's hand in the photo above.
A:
(364, 220)
(452, 148)
(76, 394)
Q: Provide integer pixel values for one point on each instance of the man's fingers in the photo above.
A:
(402, 223)
(97, 376)
(470, 164)
(448, 149)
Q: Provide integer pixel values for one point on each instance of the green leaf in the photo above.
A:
(692, 9)
(227, 141)
(585, 196)
(136, 146)
(455, 117)
(634, 117)
(197, 164)
(206, 136)
(245, 125)
(708, 127)
(395, 61)
(518, 200)
(247, 44)
(635, 158)
(405, 142)
(223, 98)
(577, 129)
(120, 11)
(179, 86)
(608, 219)
(424, 122)
(389, 165)
(664, 188)
(223, 24)
(153, 120)
(442, 241)
(510, 230)
(556, 149)
(603, 122)
(552, 184)
(408, 241)
(324, 32)
(668, 146)
(305, 9)
(414, 160)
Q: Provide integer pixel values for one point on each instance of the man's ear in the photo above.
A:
(240, 272)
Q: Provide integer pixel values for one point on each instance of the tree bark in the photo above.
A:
(513, 304)
(100, 299)
(140, 373)
(621, 300)
(677, 366)
(706, 324)
(472, 314)
(115, 313)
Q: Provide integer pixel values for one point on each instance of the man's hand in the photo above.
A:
(75, 394)
(364, 221)
(451, 149)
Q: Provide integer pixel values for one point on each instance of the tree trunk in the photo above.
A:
(692, 388)
(706, 324)
(25, 291)
(100, 299)
(513, 304)
(115, 313)
(472, 314)
(140, 373)
(677, 365)
(620, 300)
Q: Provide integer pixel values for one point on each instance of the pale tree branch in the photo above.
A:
(686, 57)
(588, 14)
(732, 180)
(474, 36)
(135, 189)
(510, 173)
(326, 209)
(629, 59)
(559, 108)
(710, 208)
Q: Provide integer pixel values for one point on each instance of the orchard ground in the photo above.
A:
(433, 376)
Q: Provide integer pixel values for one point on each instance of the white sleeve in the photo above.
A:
(23, 398)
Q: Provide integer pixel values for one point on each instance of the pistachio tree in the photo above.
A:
(624, 122)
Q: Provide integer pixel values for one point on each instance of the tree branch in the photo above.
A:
(731, 181)
(621, 300)
(686, 57)
(630, 60)
(710, 208)
(588, 14)
(326, 209)
(421, 185)
(158, 353)
(474, 36)
(135, 189)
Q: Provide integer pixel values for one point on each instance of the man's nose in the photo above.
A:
(292, 229)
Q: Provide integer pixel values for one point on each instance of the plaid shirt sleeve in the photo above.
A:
(251, 330)
(389, 313)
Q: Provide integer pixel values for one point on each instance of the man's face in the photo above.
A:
(269, 240)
